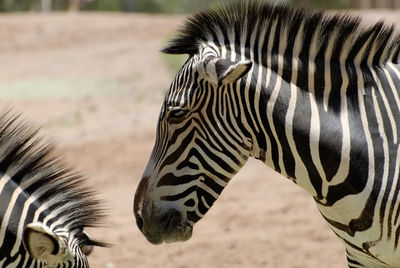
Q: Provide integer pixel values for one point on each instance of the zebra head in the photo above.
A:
(57, 248)
(198, 147)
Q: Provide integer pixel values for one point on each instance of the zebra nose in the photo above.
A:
(139, 204)
(139, 222)
(165, 227)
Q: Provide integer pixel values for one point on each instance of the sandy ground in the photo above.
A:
(94, 83)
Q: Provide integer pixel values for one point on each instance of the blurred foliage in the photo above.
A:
(152, 6)
(149, 6)
(174, 62)
(326, 4)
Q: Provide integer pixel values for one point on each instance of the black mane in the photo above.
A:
(346, 29)
(32, 164)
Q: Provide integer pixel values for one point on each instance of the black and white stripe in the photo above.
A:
(319, 103)
(44, 207)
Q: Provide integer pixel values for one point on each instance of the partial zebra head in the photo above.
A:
(44, 206)
(193, 158)
(200, 144)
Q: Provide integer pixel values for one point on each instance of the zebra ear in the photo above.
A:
(229, 72)
(40, 242)
(224, 71)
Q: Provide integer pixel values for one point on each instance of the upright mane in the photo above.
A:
(30, 163)
(244, 17)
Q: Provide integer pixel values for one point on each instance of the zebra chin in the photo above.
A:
(172, 237)
(168, 227)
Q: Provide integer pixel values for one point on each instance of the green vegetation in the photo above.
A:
(174, 62)
(148, 6)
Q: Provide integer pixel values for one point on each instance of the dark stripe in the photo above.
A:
(180, 195)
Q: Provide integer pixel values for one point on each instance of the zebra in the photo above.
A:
(313, 95)
(43, 206)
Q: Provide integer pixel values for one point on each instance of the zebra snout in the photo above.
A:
(158, 221)
(138, 203)
(139, 222)
(165, 227)
(162, 227)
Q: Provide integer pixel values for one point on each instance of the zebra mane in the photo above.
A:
(243, 17)
(31, 163)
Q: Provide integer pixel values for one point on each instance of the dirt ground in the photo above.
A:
(94, 83)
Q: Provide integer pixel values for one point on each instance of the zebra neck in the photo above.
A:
(308, 126)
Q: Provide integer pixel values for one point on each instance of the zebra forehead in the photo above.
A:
(218, 24)
(182, 84)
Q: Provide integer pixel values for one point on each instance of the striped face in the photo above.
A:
(199, 147)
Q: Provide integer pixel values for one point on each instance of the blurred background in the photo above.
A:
(171, 6)
(90, 75)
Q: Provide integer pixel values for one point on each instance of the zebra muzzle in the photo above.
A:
(168, 227)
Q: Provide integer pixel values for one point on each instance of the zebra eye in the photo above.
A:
(177, 115)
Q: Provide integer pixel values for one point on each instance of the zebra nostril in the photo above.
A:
(139, 222)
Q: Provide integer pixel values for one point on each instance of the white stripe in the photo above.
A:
(315, 126)
(392, 86)
(260, 44)
(344, 166)
(205, 202)
(385, 148)
(6, 217)
(21, 225)
(386, 102)
(268, 75)
(221, 41)
(387, 107)
(231, 38)
(249, 103)
(327, 70)
(275, 93)
(385, 164)
(394, 187)
(301, 173)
